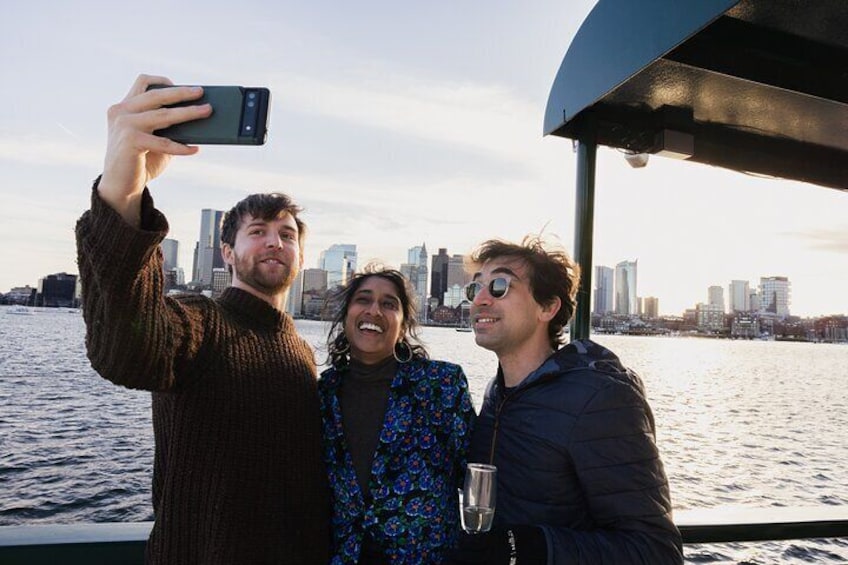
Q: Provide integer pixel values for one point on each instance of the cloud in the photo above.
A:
(41, 151)
(824, 239)
(471, 116)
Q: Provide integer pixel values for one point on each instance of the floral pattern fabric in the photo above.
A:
(412, 511)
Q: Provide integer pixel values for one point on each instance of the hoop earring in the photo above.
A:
(408, 352)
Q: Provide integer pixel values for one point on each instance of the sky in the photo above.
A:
(393, 124)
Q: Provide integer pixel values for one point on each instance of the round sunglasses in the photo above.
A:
(498, 288)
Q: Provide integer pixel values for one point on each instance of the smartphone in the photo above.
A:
(239, 117)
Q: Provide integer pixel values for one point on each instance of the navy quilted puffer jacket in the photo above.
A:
(575, 448)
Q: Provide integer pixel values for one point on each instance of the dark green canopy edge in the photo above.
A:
(759, 86)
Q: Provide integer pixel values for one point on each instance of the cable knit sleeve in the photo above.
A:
(135, 336)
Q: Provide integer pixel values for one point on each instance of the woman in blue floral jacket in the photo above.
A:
(396, 429)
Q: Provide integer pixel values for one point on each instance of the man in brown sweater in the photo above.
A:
(238, 476)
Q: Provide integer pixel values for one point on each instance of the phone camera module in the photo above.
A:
(249, 112)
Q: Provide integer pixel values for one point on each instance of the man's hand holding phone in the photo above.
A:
(134, 155)
(157, 119)
(239, 117)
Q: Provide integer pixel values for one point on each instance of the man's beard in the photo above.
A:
(252, 274)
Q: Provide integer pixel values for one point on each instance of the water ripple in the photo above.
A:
(738, 423)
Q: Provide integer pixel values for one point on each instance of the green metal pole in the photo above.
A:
(583, 229)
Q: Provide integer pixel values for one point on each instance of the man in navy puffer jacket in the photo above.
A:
(580, 478)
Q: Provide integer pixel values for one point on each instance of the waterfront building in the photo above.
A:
(626, 303)
(21, 295)
(208, 251)
(294, 299)
(715, 296)
(754, 301)
(456, 272)
(709, 317)
(604, 290)
(439, 275)
(221, 280)
(690, 318)
(651, 305)
(775, 296)
(339, 260)
(454, 296)
(174, 277)
(745, 326)
(314, 292)
(170, 279)
(59, 290)
(444, 315)
(739, 296)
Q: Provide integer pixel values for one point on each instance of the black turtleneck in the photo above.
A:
(363, 396)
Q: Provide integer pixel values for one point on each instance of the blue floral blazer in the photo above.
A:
(418, 465)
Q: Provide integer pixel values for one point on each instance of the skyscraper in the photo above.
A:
(739, 296)
(439, 275)
(754, 300)
(294, 299)
(314, 292)
(423, 273)
(626, 303)
(339, 260)
(170, 254)
(455, 281)
(456, 271)
(208, 254)
(603, 290)
(415, 270)
(221, 280)
(651, 307)
(715, 296)
(775, 296)
(413, 254)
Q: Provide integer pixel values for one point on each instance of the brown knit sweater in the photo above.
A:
(238, 476)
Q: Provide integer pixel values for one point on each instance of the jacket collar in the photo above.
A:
(578, 354)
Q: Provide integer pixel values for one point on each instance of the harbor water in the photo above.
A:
(739, 423)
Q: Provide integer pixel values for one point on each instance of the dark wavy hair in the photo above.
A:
(551, 272)
(338, 346)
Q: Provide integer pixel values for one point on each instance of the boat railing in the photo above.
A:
(124, 542)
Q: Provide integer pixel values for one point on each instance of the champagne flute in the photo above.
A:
(477, 498)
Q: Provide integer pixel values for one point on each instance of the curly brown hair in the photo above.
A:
(551, 272)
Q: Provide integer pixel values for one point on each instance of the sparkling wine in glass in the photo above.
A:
(477, 498)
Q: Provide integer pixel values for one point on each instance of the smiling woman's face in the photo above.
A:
(374, 320)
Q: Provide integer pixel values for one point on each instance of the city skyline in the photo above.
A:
(348, 252)
(391, 125)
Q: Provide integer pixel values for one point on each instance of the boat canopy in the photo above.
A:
(759, 86)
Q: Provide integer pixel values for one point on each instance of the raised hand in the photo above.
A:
(134, 156)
